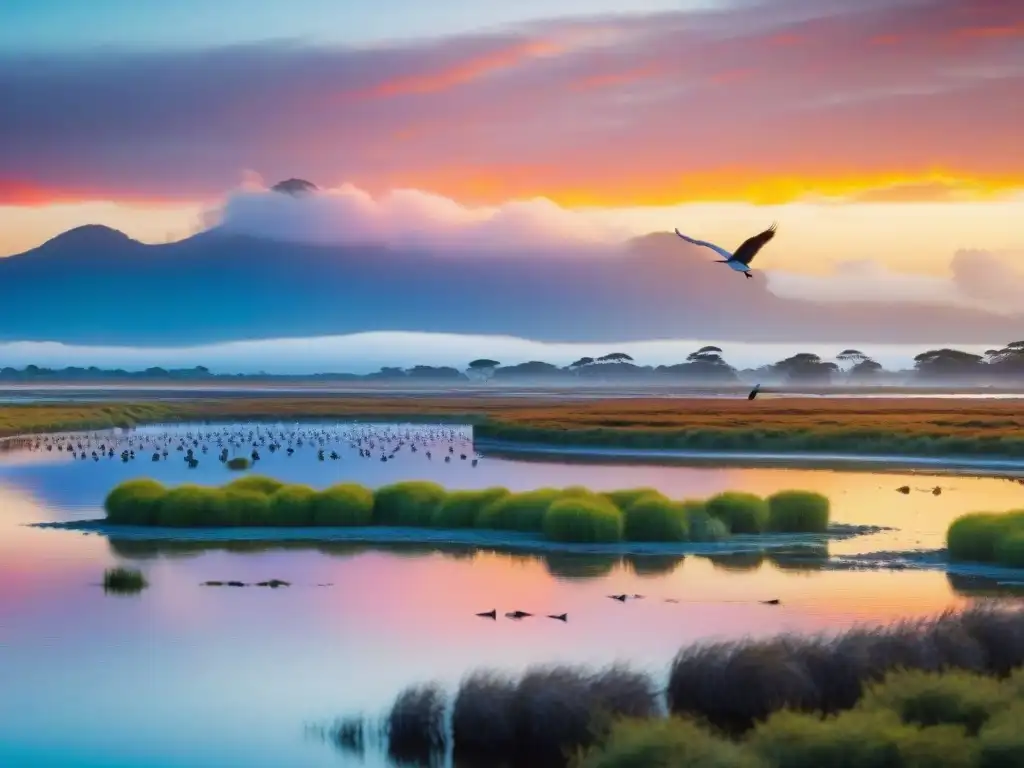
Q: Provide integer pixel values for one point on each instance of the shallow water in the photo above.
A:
(184, 675)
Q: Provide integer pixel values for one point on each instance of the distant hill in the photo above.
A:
(94, 285)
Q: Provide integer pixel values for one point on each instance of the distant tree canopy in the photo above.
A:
(615, 357)
(482, 368)
(533, 368)
(583, 361)
(805, 367)
(948, 364)
(706, 364)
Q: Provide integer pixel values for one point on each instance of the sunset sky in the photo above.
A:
(879, 132)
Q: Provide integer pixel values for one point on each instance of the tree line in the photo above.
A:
(705, 365)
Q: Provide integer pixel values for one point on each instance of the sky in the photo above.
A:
(883, 135)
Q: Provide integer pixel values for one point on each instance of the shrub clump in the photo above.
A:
(460, 509)
(701, 526)
(123, 581)
(187, 506)
(257, 483)
(987, 537)
(741, 512)
(249, 508)
(798, 512)
(665, 743)
(589, 518)
(653, 517)
(134, 502)
(292, 505)
(343, 504)
(519, 511)
(238, 463)
(410, 503)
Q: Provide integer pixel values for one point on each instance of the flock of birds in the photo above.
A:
(519, 615)
(381, 442)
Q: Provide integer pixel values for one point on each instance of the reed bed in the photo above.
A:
(123, 581)
(920, 426)
(947, 691)
(566, 515)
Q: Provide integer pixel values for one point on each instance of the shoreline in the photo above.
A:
(982, 467)
(511, 541)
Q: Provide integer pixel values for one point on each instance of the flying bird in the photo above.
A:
(739, 261)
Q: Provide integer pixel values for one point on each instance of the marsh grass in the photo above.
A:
(573, 514)
(910, 695)
(415, 726)
(123, 581)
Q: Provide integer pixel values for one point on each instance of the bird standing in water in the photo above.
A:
(754, 391)
(739, 261)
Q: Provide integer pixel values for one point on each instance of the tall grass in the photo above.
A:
(911, 695)
(573, 514)
(123, 581)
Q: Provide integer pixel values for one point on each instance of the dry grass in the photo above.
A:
(912, 425)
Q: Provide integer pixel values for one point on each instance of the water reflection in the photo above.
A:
(189, 676)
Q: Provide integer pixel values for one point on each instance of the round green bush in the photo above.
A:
(952, 697)
(1001, 741)
(655, 518)
(257, 483)
(1010, 549)
(223, 509)
(701, 526)
(624, 498)
(583, 519)
(343, 504)
(460, 509)
(134, 502)
(798, 512)
(238, 463)
(253, 508)
(741, 512)
(410, 503)
(519, 511)
(186, 506)
(292, 505)
(973, 537)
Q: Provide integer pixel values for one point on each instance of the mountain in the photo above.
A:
(94, 285)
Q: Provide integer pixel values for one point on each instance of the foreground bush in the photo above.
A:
(741, 512)
(797, 512)
(572, 514)
(928, 694)
(987, 537)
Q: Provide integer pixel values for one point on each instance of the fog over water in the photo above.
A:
(368, 352)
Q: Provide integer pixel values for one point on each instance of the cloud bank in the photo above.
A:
(412, 218)
(614, 111)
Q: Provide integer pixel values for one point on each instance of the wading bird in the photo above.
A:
(739, 261)
(754, 391)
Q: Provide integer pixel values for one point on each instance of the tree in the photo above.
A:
(482, 369)
(581, 363)
(865, 369)
(705, 364)
(1007, 361)
(805, 367)
(948, 364)
(615, 357)
(851, 357)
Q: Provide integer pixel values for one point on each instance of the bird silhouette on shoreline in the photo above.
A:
(740, 260)
(754, 392)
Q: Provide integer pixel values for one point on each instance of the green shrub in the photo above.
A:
(257, 483)
(977, 536)
(583, 519)
(665, 743)
(973, 537)
(952, 697)
(123, 581)
(1010, 549)
(1001, 741)
(624, 498)
(224, 508)
(741, 512)
(238, 463)
(292, 505)
(858, 739)
(134, 502)
(701, 526)
(798, 512)
(253, 507)
(343, 504)
(519, 511)
(655, 518)
(410, 503)
(460, 509)
(186, 506)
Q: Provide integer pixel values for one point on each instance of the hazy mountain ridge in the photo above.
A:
(94, 285)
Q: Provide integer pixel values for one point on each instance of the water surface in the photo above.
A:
(184, 675)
